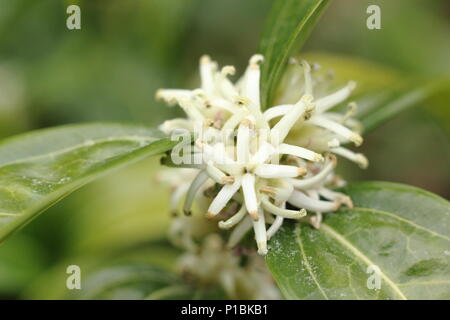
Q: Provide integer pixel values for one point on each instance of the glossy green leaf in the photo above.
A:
(287, 28)
(39, 168)
(381, 92)
(402, 230)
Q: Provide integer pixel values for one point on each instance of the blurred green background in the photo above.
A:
(109, 71)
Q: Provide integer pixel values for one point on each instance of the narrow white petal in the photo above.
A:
(251, 85)
(277, 111)
(191, 110)
(224, 104)
(222, 198)
(243, 142)
(173, 96)
(359, 158)
(206, 74)
(265, 151)
(317, 179)
(300, 152)
(325, 103)
(259, 227)
(278, 194)
(255, 111)
(301, 200)
(269, 171)
(284, 125)
(336, 196)
(217, 175)
(179, 123)
(248, 188)
(285, 213)
(233, 121)
(337, 128)
(226, 87)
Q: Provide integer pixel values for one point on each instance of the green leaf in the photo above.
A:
(287, 28)
(381, 92)
(40, 168)
(403, 230)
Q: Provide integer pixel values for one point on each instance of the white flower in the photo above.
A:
(247, 153)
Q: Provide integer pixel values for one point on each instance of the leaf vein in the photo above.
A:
(308, 266)
(347, 244)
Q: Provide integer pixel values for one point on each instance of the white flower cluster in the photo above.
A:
(246, 152)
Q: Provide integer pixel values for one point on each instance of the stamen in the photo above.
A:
(301, 200)
(359, 158)
(325, 103)
(248, 188)
(300, 152)
(222, 198)
(269, 171)
(196, 184)
(235, 219)
(285, 213)
(337, 128)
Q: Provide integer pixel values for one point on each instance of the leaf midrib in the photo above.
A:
(308, 266)
(349, 246)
